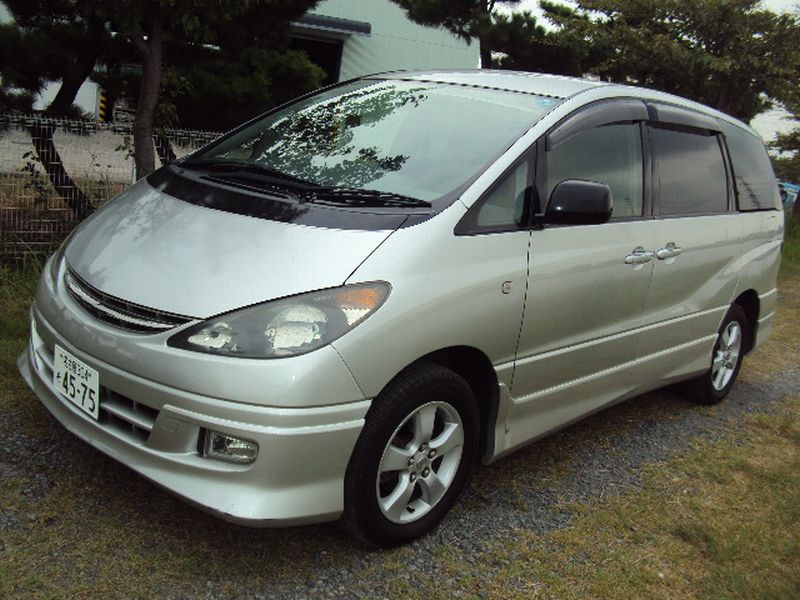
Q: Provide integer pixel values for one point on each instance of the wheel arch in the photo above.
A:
(750, 303)
(477, 370)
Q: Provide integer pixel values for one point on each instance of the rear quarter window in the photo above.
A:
(756, 188)
(690, 172)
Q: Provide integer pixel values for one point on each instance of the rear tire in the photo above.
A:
(412, 458)
(712, 386)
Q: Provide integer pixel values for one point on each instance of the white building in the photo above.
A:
(350, 38)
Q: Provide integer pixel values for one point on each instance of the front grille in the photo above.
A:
(118, 312)
(126, 417)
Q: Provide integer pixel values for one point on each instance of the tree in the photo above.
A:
(730, 54)
(235, 84)
(787, 166)
(64, 40)
(60, 41)
(467, 19)
(525, 45)
(149, 24)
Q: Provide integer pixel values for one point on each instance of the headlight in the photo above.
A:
(285, 327)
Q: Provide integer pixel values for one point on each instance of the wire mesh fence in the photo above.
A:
(54, 172)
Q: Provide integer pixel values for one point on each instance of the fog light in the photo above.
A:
(231, 449)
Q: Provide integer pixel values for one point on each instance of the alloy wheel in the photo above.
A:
(726, 357)
(420, 462)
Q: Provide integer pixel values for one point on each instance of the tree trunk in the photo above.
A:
(150, 53)
(42, 132)
(80, 69)
(42, 138)
(486, 53)
(484, 23)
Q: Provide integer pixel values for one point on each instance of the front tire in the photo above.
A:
(712, 386)
(412, 458)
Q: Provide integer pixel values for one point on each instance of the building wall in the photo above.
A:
(395, 42)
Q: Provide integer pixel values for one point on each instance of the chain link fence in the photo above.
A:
(54, 172)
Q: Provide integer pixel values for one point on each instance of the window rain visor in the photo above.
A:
(413, 139)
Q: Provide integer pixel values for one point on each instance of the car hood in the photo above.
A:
(157, 251)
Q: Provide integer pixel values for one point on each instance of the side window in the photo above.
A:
(690, 175)
(504, 206)
(611, 154)
(752, 170)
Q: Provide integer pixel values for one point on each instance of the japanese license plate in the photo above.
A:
(77, 381)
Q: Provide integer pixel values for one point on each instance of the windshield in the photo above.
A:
(420, 140)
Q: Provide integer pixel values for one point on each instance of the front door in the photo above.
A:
(587, 289)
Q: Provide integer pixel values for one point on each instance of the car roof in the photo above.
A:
(557, 86)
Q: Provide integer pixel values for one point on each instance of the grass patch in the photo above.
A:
(16, 293)
(722, 521)
(790, 264)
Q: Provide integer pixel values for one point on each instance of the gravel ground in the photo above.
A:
(605, 454)
(529, 490)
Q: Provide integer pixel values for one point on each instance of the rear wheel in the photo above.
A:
(726, 359)
(412, 458)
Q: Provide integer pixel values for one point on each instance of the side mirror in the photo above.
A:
(578, 202)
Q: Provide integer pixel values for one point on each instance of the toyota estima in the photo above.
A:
(332, 311)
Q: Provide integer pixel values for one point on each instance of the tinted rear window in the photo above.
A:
(755, 181)
(690, 173)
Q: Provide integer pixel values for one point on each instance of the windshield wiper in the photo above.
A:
(305, 191)
(240, 166)
(362, 197)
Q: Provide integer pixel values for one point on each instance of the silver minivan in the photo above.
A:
(332, 311)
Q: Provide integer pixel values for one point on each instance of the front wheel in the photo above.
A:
(726, 359)
(412, 458)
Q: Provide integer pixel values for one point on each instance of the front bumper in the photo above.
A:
(153, 429)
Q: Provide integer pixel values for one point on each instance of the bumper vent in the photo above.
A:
(119, 312)
(126, 417)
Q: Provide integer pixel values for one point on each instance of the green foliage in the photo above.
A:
(15, 100)
(222, 62)
(787, 168)
(790, 261)
(59, 40)
(730, 54)
(21, 80)
(35, 183)
(789, 142)
(464, 18)
(527, 46)
(224, 89)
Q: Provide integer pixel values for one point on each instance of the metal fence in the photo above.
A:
(54, 172)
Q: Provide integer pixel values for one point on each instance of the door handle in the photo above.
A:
(639, 256)
(669, 251)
